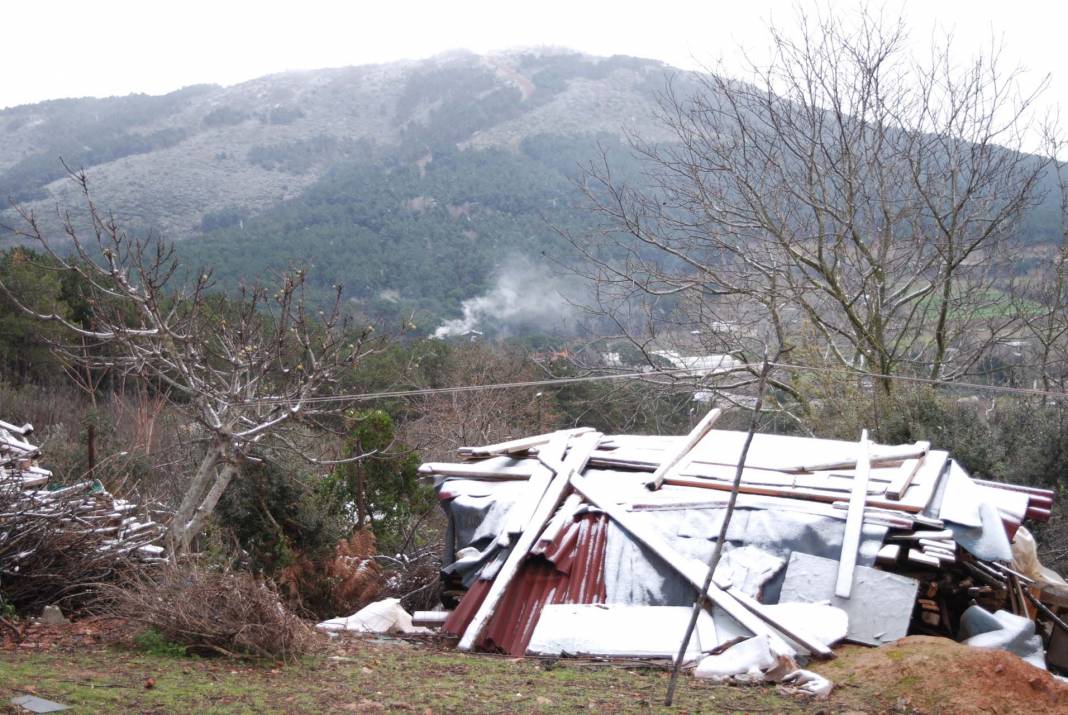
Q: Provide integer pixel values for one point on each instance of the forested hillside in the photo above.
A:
(413, 184)
(409, 183)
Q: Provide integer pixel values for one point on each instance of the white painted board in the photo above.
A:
(619, 630)
(879, 608)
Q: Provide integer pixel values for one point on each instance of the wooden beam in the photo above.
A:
(854, 521)
(747, 611)
(885, 454)
(480, 470)
(523, 510)
(673, 458)
(516, 445)
(918, 557)
(943, 535)
(810, 494)
(581, 449)
(903, 479)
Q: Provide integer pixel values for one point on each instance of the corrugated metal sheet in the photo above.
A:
(571, 570)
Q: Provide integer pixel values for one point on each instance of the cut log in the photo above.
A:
(429, 619)
(888, 553)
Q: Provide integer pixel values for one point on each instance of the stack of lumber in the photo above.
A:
(83, 508)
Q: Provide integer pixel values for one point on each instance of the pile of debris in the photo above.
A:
(52, 535)
(586, 544)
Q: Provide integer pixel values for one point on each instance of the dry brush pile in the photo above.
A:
(57, 544)
(213, 612)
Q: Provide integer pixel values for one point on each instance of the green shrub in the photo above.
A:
(152, 642)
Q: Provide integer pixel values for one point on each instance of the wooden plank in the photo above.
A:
(809, 494)
(888, 553)
(947, 544)
(941, 554)
(903, 479)
(768, 477)
(497, 468)
(1035, 491)
(918, 557)
(522, 511)
(581, 449)
(854, 522)
(517, 445)
(674, 457)
(943, 535)
(747, 611)
(885, 454)
(564, 514)
(926, 481)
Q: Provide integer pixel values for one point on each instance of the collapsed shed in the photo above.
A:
(587, 544)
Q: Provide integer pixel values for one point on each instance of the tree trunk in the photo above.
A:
(193, 496)
(195, 525)
(90, 445)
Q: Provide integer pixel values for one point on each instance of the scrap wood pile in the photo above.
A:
(53, 541)
(581, 543)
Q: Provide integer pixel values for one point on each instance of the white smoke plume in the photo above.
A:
(526, 296)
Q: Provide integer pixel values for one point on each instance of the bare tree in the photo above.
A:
(451, 420)
(249, 371)
(845, 204)
(1041, 297)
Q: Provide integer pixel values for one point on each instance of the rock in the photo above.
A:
(52, 616)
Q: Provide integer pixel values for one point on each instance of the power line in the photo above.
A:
(673, 372)
(1029, 391)
(418, 392)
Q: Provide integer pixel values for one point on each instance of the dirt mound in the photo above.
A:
(936, 675)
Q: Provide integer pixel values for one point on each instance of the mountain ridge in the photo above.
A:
(164, 161)
(416, 184)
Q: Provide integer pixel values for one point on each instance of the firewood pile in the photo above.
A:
(56, 542)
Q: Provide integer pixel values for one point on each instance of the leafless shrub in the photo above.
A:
(414, 577)
(229, 613)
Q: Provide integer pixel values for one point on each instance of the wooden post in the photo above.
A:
(854, 521)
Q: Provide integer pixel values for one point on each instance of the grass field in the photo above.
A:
(112, 671)
(398, 677)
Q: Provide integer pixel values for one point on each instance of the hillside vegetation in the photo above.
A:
(413, 184)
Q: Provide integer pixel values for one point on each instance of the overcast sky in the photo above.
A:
(69, 48)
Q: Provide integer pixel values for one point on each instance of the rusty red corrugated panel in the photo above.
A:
(571, 570)
(465, 610)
